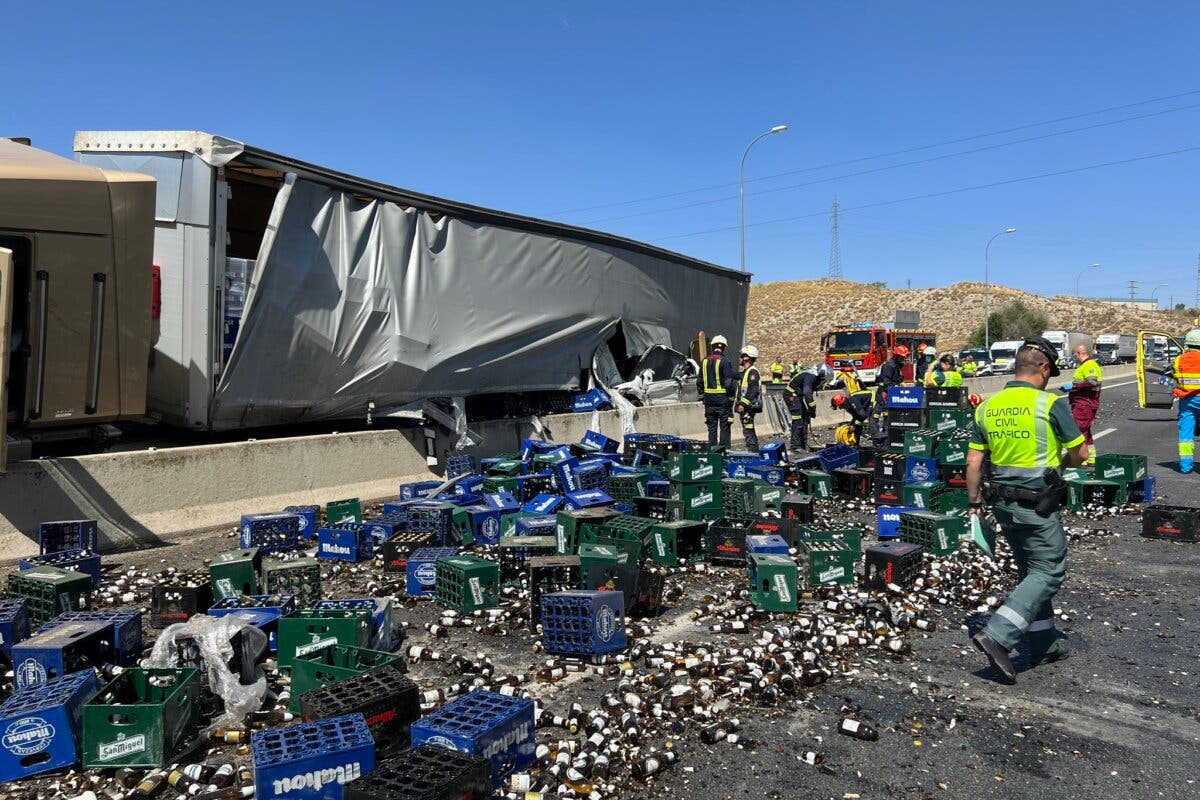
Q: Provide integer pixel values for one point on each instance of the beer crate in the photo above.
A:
(300, 577)
(948, 420)
(628, 486)
(396, 551)
(467, 583)
(766, 544)
(920, 443)
(307, 518)
(14, 624)
(125, 642)
(893, 562)
(773, 581)
(1078, 474)
(310, 630)
(698, 498)
(543, 504)
(642, 588)
(72, 534)
(74, 560)
(428, 772)
(418, 490)
(816, 483)
(262, 611)
(926, 495)
(349, 510)
(383, 527)
(695, 467)
(42, 726)
(851, 537)
(452, 526)
(567, 524)
(583, 623)
(311, 759)
(550, 574)
(536, 525)
(888, 492)
(1121, 468)
(51, 591)
(727, 540)
(335, 663)
(658, 487)
(867, 454)
(906, 397)
(421, 569)
(799, 508)
(487, 724)
(737, 497)
(235, 572)
(388, 700)
(1143, 491)
(786, 529)
(895, 440)
(598, 442)
(177, 601)
(902, 420)
(655, 443)
(953, 477)
(826, 562)
(671, 542)
(63, 649)
(270, 533)
(587, 498)
(460, 464)
(853, 482)
(502, 467)
(606, 554)
(837, 456)
(776, 452)
(1081, 494)
(920, 470)
(766, 497)
(345, 541)
(643, 459)
(627, 533)
(889, 467)
(515, 552)
(944, 397)
(1173, 523)
(953, 452)
(142, 718)
(656, 508)
(772, 474)
(936, 533)
(887, 520)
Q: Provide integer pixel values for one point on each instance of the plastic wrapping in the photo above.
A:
(214, 636)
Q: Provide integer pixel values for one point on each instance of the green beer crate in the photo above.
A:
(951, 500)
(936, 533)
(920, 443)
(508, 522)
(826, 562)
(1120, 468)
(695, 467)
(311, 629)
(349, 510)
(948, 420)
(515, 552)
(460, 523)
(51, 591)
(1096, 491)
(300, 576)
(926, 495)
(816, 483)
(466, 583)
(765, 497)
(953, 452)
(773, 581)
(627, 533)
(493, 484)
(737, 494)
(141, 718)
(1077, 474)
(235, 572)
(851, 537)
(335, 663)
(568, 523)
(680, 539)
(598, 554)
(509, 468)
(701, 494)
(626, 486)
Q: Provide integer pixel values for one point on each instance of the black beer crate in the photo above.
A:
(387, 699)
(396, 550)
(1173, 523)
(889, 493)
(799, 508)
(784, 528)
(889, 467)
(853, 482)
(427, 772)
(643, 588)
(550, 574)
(893, 562)
(727, 540)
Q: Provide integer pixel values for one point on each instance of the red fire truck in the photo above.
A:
(865, 347)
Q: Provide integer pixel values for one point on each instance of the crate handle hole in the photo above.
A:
(36, 758)
(119, 719)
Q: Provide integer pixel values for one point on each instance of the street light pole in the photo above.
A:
(1078, 299)
(1156, 288)
(987, 293)
(742, 190)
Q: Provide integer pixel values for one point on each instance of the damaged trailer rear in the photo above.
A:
(360, 295)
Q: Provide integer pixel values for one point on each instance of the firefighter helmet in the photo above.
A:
(838, 400)
(719, 341)
(901, 351)
(750, 351)
(1193, 338)
(974, 400)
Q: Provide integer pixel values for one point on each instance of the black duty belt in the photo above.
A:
(1016, 493)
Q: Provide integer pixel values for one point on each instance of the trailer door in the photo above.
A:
(1155, 389)
(6, 279)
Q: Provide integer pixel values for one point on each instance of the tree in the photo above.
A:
(878, 284)
(1180, 307)
(1014, 321)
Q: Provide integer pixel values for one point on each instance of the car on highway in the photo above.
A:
(981, 357)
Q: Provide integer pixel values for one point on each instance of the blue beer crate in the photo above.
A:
(806, 463)
(271, 533)
(837, 456)
(564, 475)
(485, 523)
(593, 440)
(385, 526)
(768, 544)
(77, 560)
(14, 623)
(125, 641)
(41, 727)
(906, 397)
(539, 525)
(658, 488)
(593, 473)
(73, 534)
(772, 474)
(259, 612)
(307, 517)
(468, 486)
(544, 504)
(345, 541)
(418, 490)
(643, 458)
(421, 569)
(739, 468)
(311, 759)
(591, 400)
(536, 447)
(423, 515)
(589, 498)
(485, 724)
(775, 451)
(887, 520)
(501, 501)
(1143, 491)
(583, 623)
(460, 464)
(59, 651)
(920, 470)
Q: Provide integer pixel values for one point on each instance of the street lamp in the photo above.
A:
(1156, 288)
(1079, 318)
(742, 190)
(987, 297)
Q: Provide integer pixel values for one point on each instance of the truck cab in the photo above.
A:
(1004, 355)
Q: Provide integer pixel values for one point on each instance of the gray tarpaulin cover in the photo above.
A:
(355, 300)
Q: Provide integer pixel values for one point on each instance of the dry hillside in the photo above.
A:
(787, 318)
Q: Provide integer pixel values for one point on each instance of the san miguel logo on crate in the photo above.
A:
(123, 746)
(606, 623)
(27, 736)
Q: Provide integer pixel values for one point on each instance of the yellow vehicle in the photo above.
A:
(1156, 352)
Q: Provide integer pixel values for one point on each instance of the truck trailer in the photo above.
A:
(1066, 342)
(1116, 348)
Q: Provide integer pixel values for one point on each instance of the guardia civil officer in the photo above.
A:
(1026, 430)
(716, 384)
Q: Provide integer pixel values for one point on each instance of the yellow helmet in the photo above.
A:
(751, 351)
(719, 340)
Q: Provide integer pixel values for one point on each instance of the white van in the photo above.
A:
(1004, 355)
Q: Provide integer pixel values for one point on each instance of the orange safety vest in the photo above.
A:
(1187, 374)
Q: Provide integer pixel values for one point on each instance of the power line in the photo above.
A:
(887, 167)
(904, 151)
(929, 195)
(1133, 291)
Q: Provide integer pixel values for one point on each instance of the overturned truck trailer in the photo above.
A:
(358, 294)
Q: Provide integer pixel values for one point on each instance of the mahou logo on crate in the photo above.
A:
(28, 735)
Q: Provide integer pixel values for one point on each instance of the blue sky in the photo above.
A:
(570, 110)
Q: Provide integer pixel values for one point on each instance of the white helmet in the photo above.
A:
(1193, 338)
(825, 373)
(719, 340)
(751, 351)
(930, 350)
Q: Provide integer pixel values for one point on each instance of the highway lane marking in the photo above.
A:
(1116, 385)
(1104, 432)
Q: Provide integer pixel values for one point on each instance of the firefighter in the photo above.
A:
(861, 407)
(943, 373)
(749, 395)
(1083, 393)
(1186, 371)
(892, 374)
(1025, 430)
(715, 384)
(777, 373)
(795, 367)
(801, 403)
